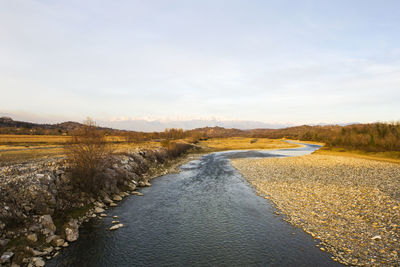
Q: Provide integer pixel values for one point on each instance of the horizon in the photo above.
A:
(275, 62)
(158, 125)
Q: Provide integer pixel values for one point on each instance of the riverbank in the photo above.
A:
(351, 205)
(40, 211)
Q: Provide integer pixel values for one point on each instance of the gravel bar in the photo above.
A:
(351, 205)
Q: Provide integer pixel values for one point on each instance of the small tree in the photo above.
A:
(88, 154)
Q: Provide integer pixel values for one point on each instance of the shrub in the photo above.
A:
(88, 154)
(175, 149)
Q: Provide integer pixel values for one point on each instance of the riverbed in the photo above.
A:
(206, 215)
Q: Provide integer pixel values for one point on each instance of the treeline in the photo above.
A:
(369, 137)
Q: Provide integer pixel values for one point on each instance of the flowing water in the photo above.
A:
(206, 215)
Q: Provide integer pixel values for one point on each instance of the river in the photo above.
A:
(206, 215)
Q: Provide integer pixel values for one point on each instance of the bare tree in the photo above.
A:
(88, 153)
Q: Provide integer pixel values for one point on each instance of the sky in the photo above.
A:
(282, 62)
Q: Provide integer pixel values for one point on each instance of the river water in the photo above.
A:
(206, 215)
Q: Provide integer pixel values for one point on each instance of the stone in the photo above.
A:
(47, 223)
(117, 226)
(6, 257)
(4, 242)
(32, 238)
(103, 215)
(115, 217)
(107, 200)
(38, 261)
(99, 204)
(117, 198)
(137, 193)
(36, 252)
(147, 183)
(72, 230)
(48, 249)
(115, 222)
(113, 204)
(132, 186)
(376, 238)
(65, 244)
(58, 242)
(51, 238)
(98, 210)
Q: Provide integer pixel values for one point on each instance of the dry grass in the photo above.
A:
(242, 143)
(20, 148)
(387, 156)
(15, 139)
(11, 157)
(33, 139)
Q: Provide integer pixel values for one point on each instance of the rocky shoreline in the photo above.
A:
(40, 211)
(351, 205)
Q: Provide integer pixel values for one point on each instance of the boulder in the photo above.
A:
(113, 204)
(6, 257)
(107, 200)
(38, 261)
(117, 226)
(58, 242)
(98, 210)
(47, 224)
(117, 198)
(72, 230)
(32, 238)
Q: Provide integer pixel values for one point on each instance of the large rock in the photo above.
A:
(6, 257)
(117, 198)
(58, 242)
(98, 210)
(32, 238)
(38, 261)
(47, 224)
(116, 226)
(72, 230)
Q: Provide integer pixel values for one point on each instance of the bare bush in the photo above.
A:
(88, 154)
(175, 149)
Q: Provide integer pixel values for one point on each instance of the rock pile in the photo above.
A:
(32, 193)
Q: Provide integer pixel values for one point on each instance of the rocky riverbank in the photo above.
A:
(351, 205)
(41, 211)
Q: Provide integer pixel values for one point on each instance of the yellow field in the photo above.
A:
(242, 143)
(31, 139)
(45, 139)
(388, 156)
(19, 148)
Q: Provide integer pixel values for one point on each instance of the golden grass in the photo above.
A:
(21, 148)
(242, 143)
(32, 139)
(387, 156)
(45, 139)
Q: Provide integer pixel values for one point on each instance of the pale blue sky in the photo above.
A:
(271, 61)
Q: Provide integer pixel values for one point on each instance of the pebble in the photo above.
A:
(348, 203)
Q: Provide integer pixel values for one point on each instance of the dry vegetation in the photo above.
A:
(88, 155)
(237, 143)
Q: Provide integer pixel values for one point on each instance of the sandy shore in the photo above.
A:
(352, 205)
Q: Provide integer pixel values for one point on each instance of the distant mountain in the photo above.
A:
(160, 125)
(8, 125)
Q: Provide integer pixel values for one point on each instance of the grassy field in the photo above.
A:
(388, 156)
(240, 143)
(20, 148)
